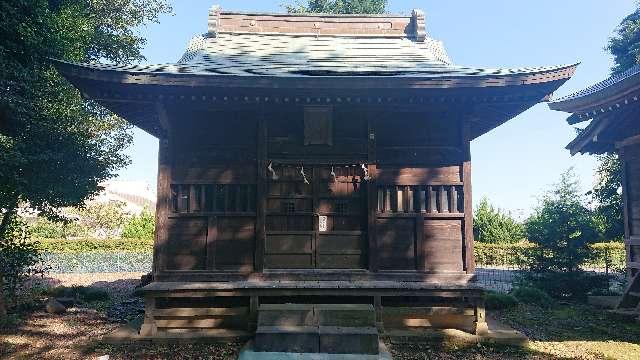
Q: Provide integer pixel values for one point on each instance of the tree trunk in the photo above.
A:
(3, 306)
(9, 213)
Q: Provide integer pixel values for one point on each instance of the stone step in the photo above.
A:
(297, 339)
(348, 340)
(345, 315)
(286, 315)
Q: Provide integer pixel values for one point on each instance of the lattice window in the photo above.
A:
(415, 199)
(223, 198)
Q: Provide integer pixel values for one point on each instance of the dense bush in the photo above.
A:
(141, 226)
(607, 255)
(576, 285)
(508, 255)
(95, 245)
(43, 228)
(82, 293)
(19, 257)
(491, 225)
(532, 295)
(499, 301)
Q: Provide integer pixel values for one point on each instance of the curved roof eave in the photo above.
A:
(609, 91)
(483, 78)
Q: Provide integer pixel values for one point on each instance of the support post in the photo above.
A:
(149, 327)
(164, 191)
(261, 189)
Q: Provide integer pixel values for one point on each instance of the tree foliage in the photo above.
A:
(491, 225)
(624, 45)
(339, 7)
(18, 259)
(607, 197)
(142, 226)
(55, 147)
(562, 225)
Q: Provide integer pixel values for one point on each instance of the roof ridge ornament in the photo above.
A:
(419, 25)
(214, 20)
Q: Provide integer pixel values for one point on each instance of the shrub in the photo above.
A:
(43, 228)
(499, 301)
(575, 285)
(95, 245)
(83, 293)
(607, 255)
(19, 257)
(511, 255)
(533, 296)
(141, 226)
(491, 225)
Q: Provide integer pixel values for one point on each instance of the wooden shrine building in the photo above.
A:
(313, 159)
(612, 107)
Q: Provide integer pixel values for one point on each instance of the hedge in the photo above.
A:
(62, 246)
(603, 255)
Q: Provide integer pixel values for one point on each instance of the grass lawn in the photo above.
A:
(565, 331)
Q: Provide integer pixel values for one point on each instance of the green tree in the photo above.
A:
(55, 147)
(562, 226)
(607, 197)
(339, 7)
(491, 225)
(624, 45)
(142, 226)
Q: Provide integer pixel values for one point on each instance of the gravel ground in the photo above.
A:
(563, 332)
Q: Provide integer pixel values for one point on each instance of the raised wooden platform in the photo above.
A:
(197, 307)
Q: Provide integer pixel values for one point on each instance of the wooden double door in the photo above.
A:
(316, 218)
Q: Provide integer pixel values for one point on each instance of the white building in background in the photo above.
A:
(135, 194)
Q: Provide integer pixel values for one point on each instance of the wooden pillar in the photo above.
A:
(163, 204)
(149, 327)
(626, 210)
(372, 197)
(372, 204)
(261, 190)
(469, 258)
(480, 322)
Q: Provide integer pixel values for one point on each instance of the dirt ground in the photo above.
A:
(563, 332)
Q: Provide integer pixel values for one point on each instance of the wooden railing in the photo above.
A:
(213, 198)
(439, 199)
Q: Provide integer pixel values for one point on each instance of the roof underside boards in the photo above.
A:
(612, 106)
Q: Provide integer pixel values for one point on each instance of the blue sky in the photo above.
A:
(512, 164)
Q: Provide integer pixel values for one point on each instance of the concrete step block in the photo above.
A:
(348, 340)
(303, 339)
(346, 315)
(286, 315)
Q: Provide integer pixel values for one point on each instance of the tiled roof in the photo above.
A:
(284, 45)
(595, 96)
(299, 55)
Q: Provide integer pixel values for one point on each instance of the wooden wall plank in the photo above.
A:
(416, 176)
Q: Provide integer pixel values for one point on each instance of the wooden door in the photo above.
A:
(317, 224)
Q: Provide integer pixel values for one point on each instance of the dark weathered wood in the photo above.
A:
(164, 192)
(469, 258)
(261, 180)
(372, 193)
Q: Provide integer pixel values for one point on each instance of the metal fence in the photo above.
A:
(498, 275)
(98, 262)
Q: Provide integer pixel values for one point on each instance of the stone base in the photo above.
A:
(249, 353)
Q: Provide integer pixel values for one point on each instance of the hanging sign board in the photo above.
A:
(322, 223)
